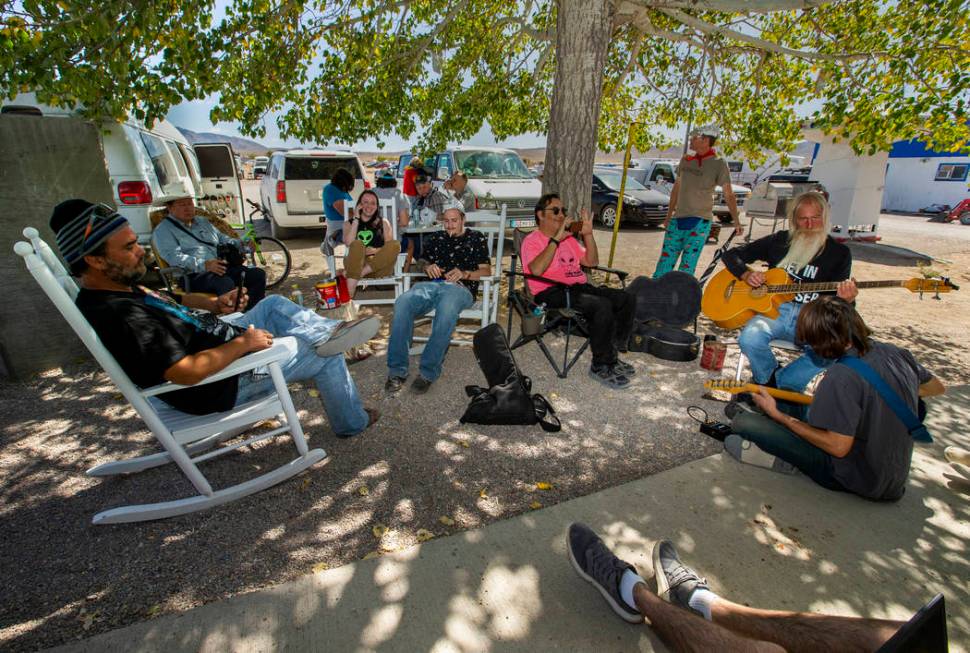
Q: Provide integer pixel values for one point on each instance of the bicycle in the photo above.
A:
(264, 252)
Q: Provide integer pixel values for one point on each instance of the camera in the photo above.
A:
(230, 254)
(575, 227)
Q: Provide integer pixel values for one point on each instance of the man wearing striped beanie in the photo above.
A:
(154, 339)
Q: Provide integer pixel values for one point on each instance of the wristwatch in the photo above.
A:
(553, 240)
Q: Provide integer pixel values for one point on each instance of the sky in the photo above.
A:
(194, 115)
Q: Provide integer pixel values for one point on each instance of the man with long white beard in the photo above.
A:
(808, 254)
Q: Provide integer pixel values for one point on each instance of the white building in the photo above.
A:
(917, 177)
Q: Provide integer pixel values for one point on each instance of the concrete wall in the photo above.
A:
(45, 161)
(910, 184)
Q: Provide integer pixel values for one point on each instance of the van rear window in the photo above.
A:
(214, 161)
(318, 168)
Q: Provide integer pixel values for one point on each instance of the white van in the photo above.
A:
(144, 164)
(496, 176)
(291, 191)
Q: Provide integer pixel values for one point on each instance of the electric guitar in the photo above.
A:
(730, 302)
(736, 387)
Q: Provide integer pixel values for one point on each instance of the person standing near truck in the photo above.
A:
(691, 209)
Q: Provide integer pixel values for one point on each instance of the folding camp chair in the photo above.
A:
(176, 278)
(184, 437)
(536, 321)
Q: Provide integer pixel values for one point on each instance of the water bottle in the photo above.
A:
(297, 295)
(539, 310)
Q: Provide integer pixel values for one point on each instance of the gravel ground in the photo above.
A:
(417, 474)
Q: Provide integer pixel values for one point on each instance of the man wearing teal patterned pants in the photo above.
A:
(691, 207)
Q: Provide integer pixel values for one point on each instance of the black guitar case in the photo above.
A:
(664, 307)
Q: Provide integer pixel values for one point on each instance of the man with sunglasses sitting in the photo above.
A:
(551, 251)
(191, 242)
(155, 339)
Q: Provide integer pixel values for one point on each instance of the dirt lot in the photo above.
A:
(418, 469)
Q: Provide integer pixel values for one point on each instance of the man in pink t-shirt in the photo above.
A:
(557, 255)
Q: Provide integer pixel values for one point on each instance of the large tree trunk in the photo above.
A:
(583, 30)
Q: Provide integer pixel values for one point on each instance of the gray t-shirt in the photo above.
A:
(698, 178)
(877, 466)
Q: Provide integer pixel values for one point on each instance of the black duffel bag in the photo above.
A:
(508, 399)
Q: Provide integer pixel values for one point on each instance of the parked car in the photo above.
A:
(260, 164)
(291, 192)
(147, 162)
(640, 204)
(496, 176)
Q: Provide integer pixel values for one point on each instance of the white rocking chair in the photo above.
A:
(184, 437)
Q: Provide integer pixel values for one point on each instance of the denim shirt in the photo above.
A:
(179, 249)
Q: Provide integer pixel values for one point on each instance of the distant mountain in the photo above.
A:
(241, 146)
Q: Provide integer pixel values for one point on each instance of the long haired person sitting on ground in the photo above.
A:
(851, 440)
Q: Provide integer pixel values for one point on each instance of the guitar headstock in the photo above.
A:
(727, 385)
(934, 286)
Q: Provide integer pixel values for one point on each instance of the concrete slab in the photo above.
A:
(760, 538)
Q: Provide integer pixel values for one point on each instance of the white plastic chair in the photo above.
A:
(183, 437)
(485, 310)
(387, 208)
(785, 345)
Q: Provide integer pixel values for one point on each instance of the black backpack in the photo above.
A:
(508, 399)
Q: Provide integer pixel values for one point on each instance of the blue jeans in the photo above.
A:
(754, 341)
(281, 317)
(447, 300)
(780, 441)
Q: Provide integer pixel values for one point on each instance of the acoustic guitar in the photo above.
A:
(730, 302)
(736, 387)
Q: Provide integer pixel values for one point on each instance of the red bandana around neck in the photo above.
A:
(700, 157)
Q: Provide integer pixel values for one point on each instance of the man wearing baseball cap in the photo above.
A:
(691, 207)
(191, 242)
(154, 339)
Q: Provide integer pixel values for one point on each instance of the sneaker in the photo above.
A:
(348, 335)
(624, 368)
(597, 565)
(372, 416)
(746, 451)
(421, 385)
(676, 582)
(609, 376)
(957, 455)
(393, 384)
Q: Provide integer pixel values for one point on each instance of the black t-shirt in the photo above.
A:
(465, 252)
(147, 333)
(371, 233)
(878, 463)
(833, 263)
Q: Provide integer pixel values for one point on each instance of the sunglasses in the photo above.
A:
(556, 210)
(96, 214)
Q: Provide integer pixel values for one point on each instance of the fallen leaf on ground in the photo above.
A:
(542, 485)
(320, 566)
(379, 530)
(446, 520)
(372, 554)
(305, 484)
(483, 493)
(313, 392)
(535, 505)
(154, 610)
(464, 443)
(363, 491)
(424, 535)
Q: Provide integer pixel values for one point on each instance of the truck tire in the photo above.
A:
(965, 218)
(282, 233)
